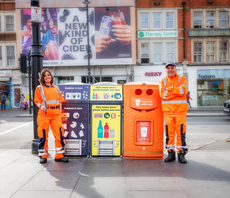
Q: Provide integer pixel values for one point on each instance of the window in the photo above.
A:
(210, 52)
(197, 17)
(157, 48)
(0, 56)
(223, 19)
(144, 53)
(10, 55)
(210, 20)
(9, 23)
(223, 51)
(157, 20)
(170, 50)
(96, 79)
(197, 52)
(144, 21)
(62, 79)
(169, 20)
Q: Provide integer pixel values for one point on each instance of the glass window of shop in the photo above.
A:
(10, 55)
(210, 52)
(197, 52)
(63, 79)
(144, 53)
(0, 56)
(96, 79)
(212, 86)
(5, 88)
(223, 19)
(156, 20)
(223, 52)
(170, 52)
(157, 49)
(144, 22)
(197, 17)
(210, 19)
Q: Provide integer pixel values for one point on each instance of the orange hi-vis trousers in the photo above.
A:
(175, 125)
(55, 122)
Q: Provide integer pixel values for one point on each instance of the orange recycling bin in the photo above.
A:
(143, 121)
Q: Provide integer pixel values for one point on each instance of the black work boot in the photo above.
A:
(63, 159)
(171, 156)
(181, 157)
(43, 161)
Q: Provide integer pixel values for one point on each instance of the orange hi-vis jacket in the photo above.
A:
(174, 99)
(51, 97)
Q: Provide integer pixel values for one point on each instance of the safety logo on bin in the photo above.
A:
(117, 95)
(106, 115)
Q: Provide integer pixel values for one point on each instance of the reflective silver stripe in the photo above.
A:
(179, 79)
(41, 154)
(52, 102)
(185, 147)
(174, 102)
(165, 81)
(181, 90)
(172, 146)
(165, 94)
(57, 90)
(60, 151)
(41, 150)
(42, 93)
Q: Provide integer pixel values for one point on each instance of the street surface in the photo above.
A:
(17, 132)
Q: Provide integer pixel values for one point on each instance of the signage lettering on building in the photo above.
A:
(206, 76)
(153, 74)
(209, 33)
(152, 34)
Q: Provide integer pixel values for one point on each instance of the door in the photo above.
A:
(17, 94)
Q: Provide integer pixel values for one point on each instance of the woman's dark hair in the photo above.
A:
(41, 80)
(25, 19)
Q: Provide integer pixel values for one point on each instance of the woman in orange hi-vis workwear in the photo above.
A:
(48, 98)
(173, 89)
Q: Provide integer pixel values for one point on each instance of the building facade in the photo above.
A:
(9, 81)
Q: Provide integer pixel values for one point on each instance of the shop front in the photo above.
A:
(208, 85)
(5, 86)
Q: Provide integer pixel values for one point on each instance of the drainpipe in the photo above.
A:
(183, 3)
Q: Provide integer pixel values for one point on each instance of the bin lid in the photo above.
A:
(142, 82)
(74, 83)
(106, 83)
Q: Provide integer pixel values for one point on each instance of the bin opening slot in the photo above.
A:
(106, 147)
(73, 147)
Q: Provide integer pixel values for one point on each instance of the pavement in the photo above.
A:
(207, 174)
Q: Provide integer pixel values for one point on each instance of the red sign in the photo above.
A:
(153, 73)
(143, 132)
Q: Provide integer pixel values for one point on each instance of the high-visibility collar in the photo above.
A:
(49, 86)
(172, 76)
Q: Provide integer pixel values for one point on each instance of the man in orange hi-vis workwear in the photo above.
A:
(48, 98)
(173, 89)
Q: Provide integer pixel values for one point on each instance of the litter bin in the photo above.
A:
(75, 118)
(106, 104)
(143, 121)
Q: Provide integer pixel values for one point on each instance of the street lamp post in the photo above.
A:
(36, 62)
(86, 2)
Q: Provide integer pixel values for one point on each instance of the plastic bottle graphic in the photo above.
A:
(96, 96)
(100, 130)
(112, 133)
(106, 130)
(93, 95)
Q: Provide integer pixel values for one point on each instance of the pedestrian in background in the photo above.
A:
(48, 98)
(3, 101)
(173, 89)
(188, 98)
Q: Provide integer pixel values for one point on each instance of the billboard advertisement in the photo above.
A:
(64, 36)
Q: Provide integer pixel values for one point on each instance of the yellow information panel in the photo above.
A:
(106, 130)
(106, 93)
